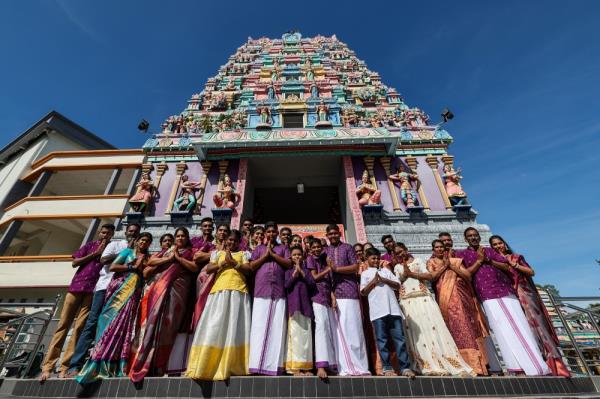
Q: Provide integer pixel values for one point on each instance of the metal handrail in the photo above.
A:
(38, 318)
(591, 314)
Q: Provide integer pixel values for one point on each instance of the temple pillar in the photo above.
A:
(386, 163)
(369, 163)
(432, 161)
(412, 164)
(357, 216)
(448, 160)
(240, 189)
(181, 167)
(205, 170)
(161, 168)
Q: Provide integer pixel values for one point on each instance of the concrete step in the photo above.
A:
(309, 387)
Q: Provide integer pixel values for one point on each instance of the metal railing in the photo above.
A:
(23, 336)
(581, 345)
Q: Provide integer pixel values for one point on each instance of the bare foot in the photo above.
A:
(63, 374)
(409, 373)
(71, 374)
(389, 373)
(308, 373)
(322, 373)
(295, 373)
(45, 375)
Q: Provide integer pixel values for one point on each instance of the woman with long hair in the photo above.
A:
(222, 340)
(116, 323)
(459, 306)
(535, 311)
(167, 302)
(430, 344)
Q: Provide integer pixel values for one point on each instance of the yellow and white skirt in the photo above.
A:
(222, 340)
(299, 343)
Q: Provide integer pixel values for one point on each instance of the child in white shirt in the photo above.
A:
(385, 314)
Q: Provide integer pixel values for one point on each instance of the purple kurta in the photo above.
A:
(202, 245)
(299, 290)
(490, 282)
(86, 276)
(324, 286)
(269, 281)
(345, 285)
(387, 257)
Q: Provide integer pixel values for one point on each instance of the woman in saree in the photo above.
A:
(222, 341)
(531, 302)
(205, 281)
(459, 306)
(167, 302)
(154, 267)
(116, 323)
(430, 345)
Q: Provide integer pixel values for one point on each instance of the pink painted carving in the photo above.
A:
(240, 189)
(293, 134)
(359, 223)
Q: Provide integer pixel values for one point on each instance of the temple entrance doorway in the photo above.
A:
(295, 190)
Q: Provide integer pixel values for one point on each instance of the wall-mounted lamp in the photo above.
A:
(300, 188)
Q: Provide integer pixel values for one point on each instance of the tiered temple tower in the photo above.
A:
(304, 133)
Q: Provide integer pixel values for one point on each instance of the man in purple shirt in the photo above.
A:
(507, 321)
(388, 243)
(78, 300)
(269, 317)
(352, 356)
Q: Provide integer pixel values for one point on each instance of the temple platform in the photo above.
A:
(310, 387)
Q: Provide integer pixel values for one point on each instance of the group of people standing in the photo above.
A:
(265, 301)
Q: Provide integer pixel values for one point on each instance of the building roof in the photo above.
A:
(53, 122)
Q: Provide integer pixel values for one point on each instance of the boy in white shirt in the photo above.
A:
(384, 311)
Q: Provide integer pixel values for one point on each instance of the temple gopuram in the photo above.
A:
(300, 131)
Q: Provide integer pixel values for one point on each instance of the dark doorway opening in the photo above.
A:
(293, 120)
(286, 205)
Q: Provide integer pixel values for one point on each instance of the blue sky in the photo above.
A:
(521, 77)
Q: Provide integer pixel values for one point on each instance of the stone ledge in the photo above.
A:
(307, 387)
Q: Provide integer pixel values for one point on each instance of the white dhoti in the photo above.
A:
(325, 337)
(299, 343)
(268, 336)
(517, 344)
(352, 349)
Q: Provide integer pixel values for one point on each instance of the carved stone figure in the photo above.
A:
(314, 91)
(226, 197)
(407, 192)
(366, 192)
(140, 201)
(322, 111)
(187, 200)
(452, 179)
(271, 92)
(264, 115)
(310, 75)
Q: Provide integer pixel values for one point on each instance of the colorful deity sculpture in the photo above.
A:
(310, 75)
(366, 192)
(265, 115)
(140, 201)
(271, 92)
(322, 112)
(226, 197)
(407, 192)
(314, 91)
(186, 202)
(454, 190)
